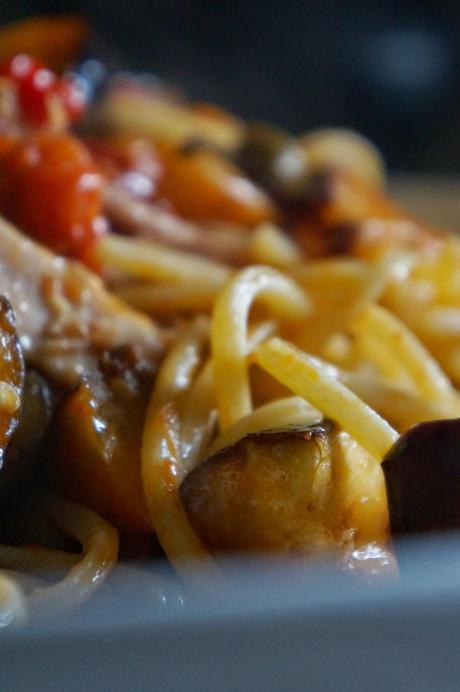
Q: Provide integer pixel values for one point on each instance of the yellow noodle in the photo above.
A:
(162, 466)
(442, 271)
(305, 377)
(339, 349)
(179, 367)
(169, 299)
(148, 260)
(167, 120)
(229, 332)
(425, 372)
(99, 541)
(338, 289)
(199, 417)
(398, 405)
(162, 473)
(282, 413)
(270, 245)
(370, 348)
(36, 559)
(450, 357)
(435, 322)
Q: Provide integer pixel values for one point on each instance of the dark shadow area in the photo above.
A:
(388, 69)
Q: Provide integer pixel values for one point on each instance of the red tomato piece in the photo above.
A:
(51, 188)
(33, 91)
(73, 96)
(19, 67)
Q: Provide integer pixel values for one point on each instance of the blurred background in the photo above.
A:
(390, 69)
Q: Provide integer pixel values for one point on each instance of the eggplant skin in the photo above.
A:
(422, 476)
(271, 491)
(12, 370)
(276, 161)
(25, 447)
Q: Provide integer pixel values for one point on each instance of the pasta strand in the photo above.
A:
(161, 476)
(148, 260)
(305, 377)
(424, 371)
(229, 332)
(100, 551)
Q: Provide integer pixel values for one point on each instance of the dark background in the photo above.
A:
(388, 69)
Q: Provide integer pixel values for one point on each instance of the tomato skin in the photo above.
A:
(20, 67)
(51, 188)
(7, 140)
(34, 85)
(73, 96)
(33, 91)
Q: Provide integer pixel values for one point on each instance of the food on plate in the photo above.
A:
(212, 333)
(287, 490)
(422, 478)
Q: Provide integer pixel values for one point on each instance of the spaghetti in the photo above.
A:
(286, 326)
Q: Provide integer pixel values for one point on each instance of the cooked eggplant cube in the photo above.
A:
(422, 474)
(269, 491)
(303, 491)
(11, 374)
(276, 161)
(35, 416)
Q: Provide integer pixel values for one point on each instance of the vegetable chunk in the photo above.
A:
(293, 490)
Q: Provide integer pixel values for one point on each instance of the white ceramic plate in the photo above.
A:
(278, 630)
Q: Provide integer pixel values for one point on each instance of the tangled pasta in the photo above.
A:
(256, 329)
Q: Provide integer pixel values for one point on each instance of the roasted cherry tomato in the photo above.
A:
(35, 86)
(7, 140)
(34, 83)
(33, 93)
(51, 188)
(20, 67)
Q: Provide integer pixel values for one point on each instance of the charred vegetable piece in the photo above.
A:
(293, 490)
(422, 474)
(276, 161)
(345, 216)
(270, 491)
(201, 184)
(36, 411)
(11, 375)
(97, 456)
(335, 148)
